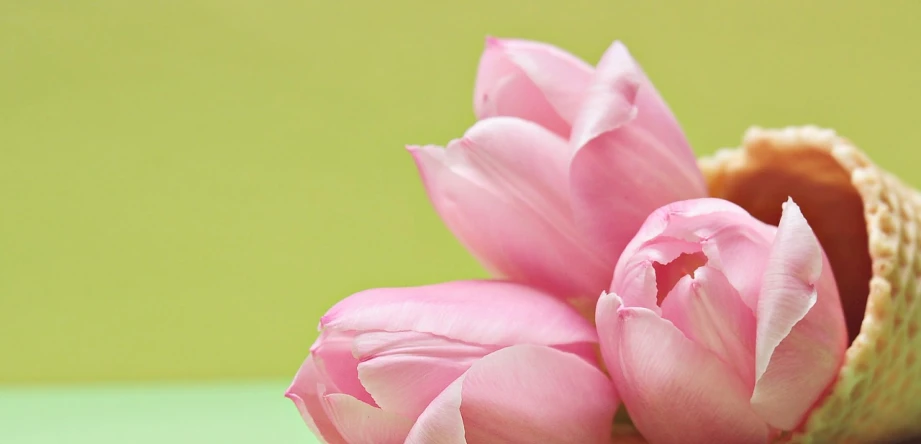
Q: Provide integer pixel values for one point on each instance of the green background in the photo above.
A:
(186, 186)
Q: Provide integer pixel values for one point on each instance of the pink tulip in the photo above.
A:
(720, 328)
(460, 362)
(563, 168)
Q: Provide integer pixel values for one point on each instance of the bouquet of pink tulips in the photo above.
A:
(767, 294)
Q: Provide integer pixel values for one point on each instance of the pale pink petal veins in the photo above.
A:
(305, 393)
(637, 284)
(337, 365)
(653, 270)
(710, 312)
(606, 320)
(441, 422)
(503, 191)
(801, 336)
(358, 422)
(635, 276)
(531, 80)
(675, 390)
(738, 251)
(660, 219)
(478, 312)
(526, 394)
(788, 290)
(405, 371)
(715, 227)
(631, 155)
(732, 241)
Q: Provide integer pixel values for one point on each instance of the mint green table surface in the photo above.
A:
(153, 413)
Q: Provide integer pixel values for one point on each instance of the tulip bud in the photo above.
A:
(720, 328)
(561, 170)
(474, 362)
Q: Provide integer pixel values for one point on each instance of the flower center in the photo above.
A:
(667, 275)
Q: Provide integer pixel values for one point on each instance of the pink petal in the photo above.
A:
(305, 393)
(531, 80)
(441, 422)
(788, 291)
(478, 312)
(668, 274)
(717, 227)
(526, 394)
(740, 253)
(710, 312)
(733, 241)
(405, 371)
(638, 285)
(631, 156)
(801, 336)
(710, 225)
(337, 366)
(645, 277)
(675, 390)
(503, 190)
(361, 423)
(607, 322)
(659, 220)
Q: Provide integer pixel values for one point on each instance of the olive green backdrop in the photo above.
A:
(186, 186)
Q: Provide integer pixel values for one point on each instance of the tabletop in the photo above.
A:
(254, 412)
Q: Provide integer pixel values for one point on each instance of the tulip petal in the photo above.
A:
(738, 251)
(670, 273)
(358, 422)
(337, 366)
(652, 271)
(525, 394)
(478, 312)
(710, 312)
(405, 371)
(801, 369)
(503, 191)
(801, 336)
(608, 324)
(659, 220)
(732, 241)
(441, 422)
(530, 80)
(675, 390)
(788, 290)
(637, 285)
(631, 156)
(305, 393)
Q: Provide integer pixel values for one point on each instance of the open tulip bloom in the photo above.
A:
(563, 166)
(577, 182)
(720, 328)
